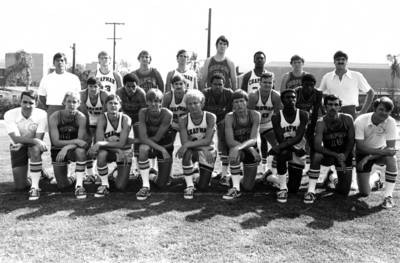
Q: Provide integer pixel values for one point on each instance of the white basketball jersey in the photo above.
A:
(254, 82)
(178, 110)
(189, 75)
(111, 134)
(108, 81)
(266, 110)
(290, 129)
(94, 111)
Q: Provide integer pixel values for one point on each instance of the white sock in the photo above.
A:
(153, 163)
(306, 168)
(311, 185)
(225, 170)
(389, 187)
(282, 181)
(269, 161)
(144, 173)
(323, 173)
(236, 181)
(35, 177)
(104, 180)
(79, 178)
(189, 180)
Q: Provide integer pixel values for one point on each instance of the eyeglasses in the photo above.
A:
(27, 102)
(333, 104)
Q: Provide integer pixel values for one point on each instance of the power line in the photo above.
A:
(114, 39)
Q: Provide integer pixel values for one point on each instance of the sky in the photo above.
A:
(367, 30)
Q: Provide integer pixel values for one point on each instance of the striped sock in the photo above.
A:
(103, 174)
(144, 168)
(36, 172)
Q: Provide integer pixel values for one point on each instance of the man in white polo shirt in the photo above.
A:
(54, 85)
(376, 135)
(26, 126)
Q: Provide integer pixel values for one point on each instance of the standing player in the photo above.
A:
(69, 143)
(110, 80)
(219, 64)
(241, 130)
(289, 127)
(112, 145)
(92, 105)
(218, 100)
(26, 126)
(376, 135)
(251, 80)
(333, 145)
(190, 76)
(197, 129)
(157, 140)
(149, 78)
(266, 101)
(174, 100)
(292, 79)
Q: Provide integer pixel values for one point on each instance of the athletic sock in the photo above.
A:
(89, 168)
(103, 174)
(36, 173)
(80, 173)
(188, 174)
(282, 181)
(235, 175)
(390, 180)
(313, 178)
(144, 168)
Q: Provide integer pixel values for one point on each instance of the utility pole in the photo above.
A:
(209, 32)
(114, 38)
(73, 58)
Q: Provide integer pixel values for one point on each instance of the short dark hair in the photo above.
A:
(92, 81)
(131, 77)
(142, 53)
(240, 94)
(217, 76)
(180, 52)
(296, 57)
(257, 53)
(177, 78)
(267, 75)
(59, 55)
(223, 39)
(340, 54)
(30, 93)
(331, 97)
(308, 77)
(103, 53)
(287, 91)
(112, 97)
(385, 101)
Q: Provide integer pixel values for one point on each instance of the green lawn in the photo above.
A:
(167, 228)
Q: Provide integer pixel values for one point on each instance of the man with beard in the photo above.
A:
(149, 78)
(251, 80)
(376, 135)
(157, 140)
(241, 129)
(289, 127)
(333, 145)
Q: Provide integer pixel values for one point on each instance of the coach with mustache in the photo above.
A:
(346, 84)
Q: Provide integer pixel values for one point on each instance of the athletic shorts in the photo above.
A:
(247, 157)
(113, 156)
(330, 160)
(70, 156)
(368, 166)
(19, 157)
(153, 153)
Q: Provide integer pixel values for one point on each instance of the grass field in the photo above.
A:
(167, 228)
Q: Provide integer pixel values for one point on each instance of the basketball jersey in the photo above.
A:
(108, 81)
(219, 68)
(219, 106)
(293, 81)
(336, 138)
(290, 129)
(189, 75)
(253, 83)
(94, 111)
(197, 132)
(67, 126)
(147, 81)
(266, 110)
(178, 110)
(242, 131)
(131, 104)
(112, 134)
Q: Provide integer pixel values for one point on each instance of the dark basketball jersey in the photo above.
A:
(219, 105)
(131, 105)
(242, 131)
(67, 126)
(293, 81)
(219, 68)
(147, 81)
(336, 138)
(306, 105)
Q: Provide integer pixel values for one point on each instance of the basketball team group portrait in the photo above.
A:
(200, 132)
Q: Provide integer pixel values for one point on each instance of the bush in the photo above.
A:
(5, 105)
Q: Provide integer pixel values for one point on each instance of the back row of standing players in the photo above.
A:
(285, 131)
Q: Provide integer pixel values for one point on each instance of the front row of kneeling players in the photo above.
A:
(374, 134)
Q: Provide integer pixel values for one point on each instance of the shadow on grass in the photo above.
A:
(260, 208)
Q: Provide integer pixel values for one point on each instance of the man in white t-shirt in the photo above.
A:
(26, 126)
(376, 135)
(54, 85)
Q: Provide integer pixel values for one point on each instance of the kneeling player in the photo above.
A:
(376, 135)
(157, 140)
(112, 145)
(26, 126)
(336, 131)
(197, 129)
(289, 127)
(241, 129)
(69, 143)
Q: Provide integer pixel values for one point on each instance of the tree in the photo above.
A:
(19, 74)
(395, 79)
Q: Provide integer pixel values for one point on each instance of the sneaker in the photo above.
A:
(188, 192)
(143, 193)
(102, 191)
(34, 194)
(232, 193)
(309, 198)
(89, 179)
(282, 196)
(388, 202)
(80, 192)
